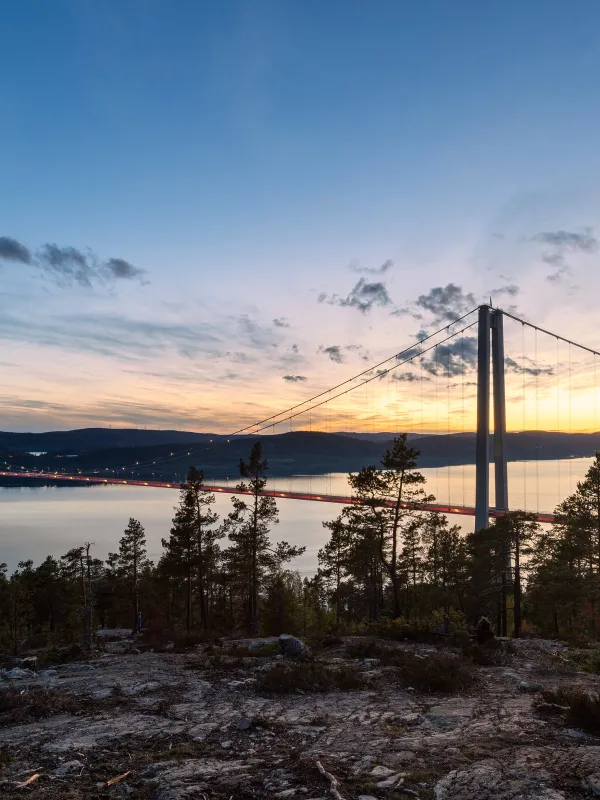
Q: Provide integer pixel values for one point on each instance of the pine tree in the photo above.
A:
(333, 558)
(131, 561)
(251, 555)
(515, 534)
(411, 562)
(397, 483)
(445, 561)
(191, 551)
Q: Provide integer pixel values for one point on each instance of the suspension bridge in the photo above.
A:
(452, 354)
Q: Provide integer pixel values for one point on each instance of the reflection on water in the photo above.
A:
(532, 485)
(40, 521)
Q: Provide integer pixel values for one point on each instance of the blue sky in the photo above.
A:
(248, 158)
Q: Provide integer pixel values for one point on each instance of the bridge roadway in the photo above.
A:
(468, 511)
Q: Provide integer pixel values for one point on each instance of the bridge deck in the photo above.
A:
(468, 511)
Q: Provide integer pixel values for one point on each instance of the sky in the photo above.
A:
(212, 211)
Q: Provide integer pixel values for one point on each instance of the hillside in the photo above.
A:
(85, 440)
(300, 452)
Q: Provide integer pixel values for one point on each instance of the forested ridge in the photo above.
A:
(388, 569)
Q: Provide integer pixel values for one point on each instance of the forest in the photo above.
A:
(389, 569)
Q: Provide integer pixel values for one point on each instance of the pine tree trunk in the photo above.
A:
(136, 598)
(89, 610)
(188, 601)
(517, 592)
(254, 576)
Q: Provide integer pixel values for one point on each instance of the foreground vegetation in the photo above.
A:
(389, 570)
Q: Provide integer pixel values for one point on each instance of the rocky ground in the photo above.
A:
(204, 724)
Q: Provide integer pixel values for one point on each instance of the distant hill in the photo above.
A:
(168, 454)
(386, 436)
(85, 440)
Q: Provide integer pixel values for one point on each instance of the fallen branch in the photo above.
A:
(118, 779)
(333, 783)
(33, 778)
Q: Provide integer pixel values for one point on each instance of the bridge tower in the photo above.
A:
(490, 322)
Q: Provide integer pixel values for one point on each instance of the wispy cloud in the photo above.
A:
(333, 352)
(561, 243)
(457, 357)
(385, 267)
(281, 322)
(409, 377)
(12, 250)
(407, 355)
(527, 367)
(511, 289)
(363, 296)
(115, 336)
(295, 378)
(261, 337)
(336, 352)
(446, 303)
(67, 265)
(123, 270)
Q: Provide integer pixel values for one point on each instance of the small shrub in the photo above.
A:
(389, 656)
(583, 708)
(366, 648)
(309, 677)
(183, 641)
(422, 629)
(62, 655)
(331, 640)
(592, 663)
(21, 706)
(262, 651)
(439, 672)
(489, 655)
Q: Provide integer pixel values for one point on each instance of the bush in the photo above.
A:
(592, 663)
(422, 629)
(439, 672)
(371, 648)
(311, 677)
(264, 650)
(489, 655)
(331, 640)
(161, 640)
(367, 648)
(62, 655)
(21, 706)
(583, 708)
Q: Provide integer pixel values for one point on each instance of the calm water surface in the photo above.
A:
(40, 521)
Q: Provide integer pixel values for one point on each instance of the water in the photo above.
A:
(40, 521)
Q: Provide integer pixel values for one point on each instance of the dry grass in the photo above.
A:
(582, 707)
(17, 706)
(438, 672)
(310, 677)
(489, 655)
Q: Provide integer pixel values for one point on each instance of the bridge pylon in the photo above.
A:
(490, 323)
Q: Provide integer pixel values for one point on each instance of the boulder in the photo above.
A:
(293, 648)
(591, 784)
(483, 632)
(68, 768)
(530, 687)
(18, 674)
